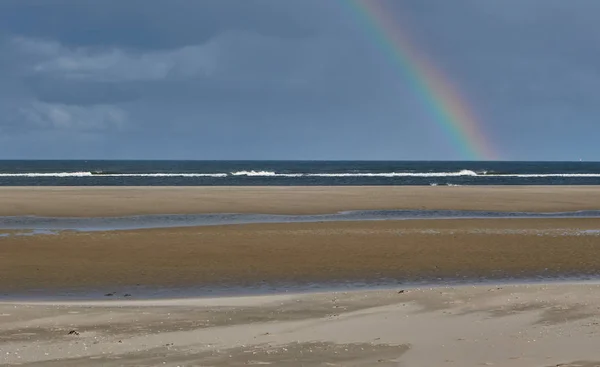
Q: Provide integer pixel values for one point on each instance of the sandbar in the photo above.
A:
(300, 253)
(123, 201)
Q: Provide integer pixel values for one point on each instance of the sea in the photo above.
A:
(293, 173)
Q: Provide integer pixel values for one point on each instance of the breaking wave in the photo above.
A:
(252, 173)
(266, 174)
(355, 174)
(95, 174)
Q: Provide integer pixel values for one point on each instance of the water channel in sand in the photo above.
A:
(193, 220)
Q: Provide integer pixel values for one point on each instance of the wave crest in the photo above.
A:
(99, 174)
(265, 174)
(259, 173)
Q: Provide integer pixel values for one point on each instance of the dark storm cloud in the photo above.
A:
(155, 24)
(233, 67)
(290, 78)
(52, 90)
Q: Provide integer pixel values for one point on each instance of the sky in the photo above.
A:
(291, 79)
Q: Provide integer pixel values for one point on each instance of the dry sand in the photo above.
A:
(119, 201)
(516, 326)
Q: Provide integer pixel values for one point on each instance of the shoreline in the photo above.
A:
(181, 296)
(225, 298)
(173, 300)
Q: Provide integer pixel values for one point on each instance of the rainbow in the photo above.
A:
(442, 100)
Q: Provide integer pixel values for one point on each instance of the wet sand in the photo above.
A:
(516, 326)
(121, 201)
(299, 253)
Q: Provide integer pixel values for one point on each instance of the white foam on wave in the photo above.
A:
(542, 175)
(354, 174)
(47, 174)
(253, 173)
(265, 174)
(165, 175)
(462, 173)
(90, 174)
(396, 174)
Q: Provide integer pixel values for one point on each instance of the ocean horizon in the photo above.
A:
(294, 173)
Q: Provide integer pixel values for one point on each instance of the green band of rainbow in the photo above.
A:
(443, 101)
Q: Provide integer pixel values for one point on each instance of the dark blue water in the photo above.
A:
(290, 173)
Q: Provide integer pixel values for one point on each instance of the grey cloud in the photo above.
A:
(114, 64)
(232, 67)
(231, 55)
(77, 92)
(46, 116)
(159, 23)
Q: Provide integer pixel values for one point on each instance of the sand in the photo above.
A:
(245, 255)
(504, 325)
(299, 253)
(119, 201)
(516, 326)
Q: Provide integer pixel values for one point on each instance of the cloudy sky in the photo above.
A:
(291, 79)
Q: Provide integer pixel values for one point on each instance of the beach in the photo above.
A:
(92, 288)
(516, 326)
